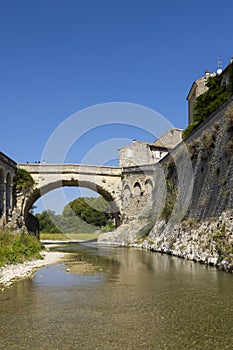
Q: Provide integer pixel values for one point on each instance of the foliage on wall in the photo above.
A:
(24, 180)
(217, 94)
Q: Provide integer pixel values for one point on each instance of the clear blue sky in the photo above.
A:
(60, 56)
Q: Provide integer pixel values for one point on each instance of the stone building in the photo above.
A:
(142, 153)
(169, 139)
(139, 153)
(199, 87)
(7, 175)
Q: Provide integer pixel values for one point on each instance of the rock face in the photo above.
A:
(209, 242)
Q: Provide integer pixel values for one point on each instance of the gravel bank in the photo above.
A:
(11, 273)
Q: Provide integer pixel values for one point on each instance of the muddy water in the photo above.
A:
(119, 298)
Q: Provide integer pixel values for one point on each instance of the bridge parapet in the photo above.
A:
(68, 168)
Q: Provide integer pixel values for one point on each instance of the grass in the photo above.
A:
(69, 236)
(18, 247)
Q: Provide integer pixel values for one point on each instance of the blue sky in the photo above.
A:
(60, 56)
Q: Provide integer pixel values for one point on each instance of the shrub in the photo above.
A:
(189, 129)
(229, 148)
(229, 115)
(15, 248)
(208, 140)
(211, 100)
(216, 126)
(194, 148)
(208, 143)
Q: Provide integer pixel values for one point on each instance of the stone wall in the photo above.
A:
(139, 153)
(210, 148)
(7, 195)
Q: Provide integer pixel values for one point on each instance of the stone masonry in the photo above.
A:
(7, 195)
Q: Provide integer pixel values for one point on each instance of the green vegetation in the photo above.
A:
(84, 214)
(189, 129)
(70, 236)
(208, 140)
(194, 148)
(206, 104)
(208, 143)
(46, 220)
(229, 116)
(24, 180)
(212, 99)
(18, 247)
(170, 200)
(93, 210)
(223, 246)
(229, 148)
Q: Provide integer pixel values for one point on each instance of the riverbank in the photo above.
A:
(209, 242)
(14, 272)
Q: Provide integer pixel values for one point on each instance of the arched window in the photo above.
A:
(137, 189)
(126, 194)
(149, 187)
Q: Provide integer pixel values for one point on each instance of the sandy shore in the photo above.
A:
(11, 273)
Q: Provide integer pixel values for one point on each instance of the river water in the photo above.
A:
(119, 298)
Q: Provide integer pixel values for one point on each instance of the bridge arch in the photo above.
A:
(36, 193)
(106, 181)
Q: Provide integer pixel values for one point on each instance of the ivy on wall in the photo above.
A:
(216, 95)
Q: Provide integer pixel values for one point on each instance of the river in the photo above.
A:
(119, 298)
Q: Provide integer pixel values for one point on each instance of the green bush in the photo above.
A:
(211, 100)
(189, 129)
(207, 103)
(17, 248)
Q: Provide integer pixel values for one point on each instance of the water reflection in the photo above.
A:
(130, 299)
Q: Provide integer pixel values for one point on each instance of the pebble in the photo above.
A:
(11, 273)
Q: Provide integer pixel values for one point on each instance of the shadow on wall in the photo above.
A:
(32, 225)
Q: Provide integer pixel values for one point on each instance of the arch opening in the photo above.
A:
(149, 187)
(137, 190)
(126, 195)
(36, 194)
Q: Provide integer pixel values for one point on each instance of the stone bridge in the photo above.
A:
(128, 190)
(102, 179)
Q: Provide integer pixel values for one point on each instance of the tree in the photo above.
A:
(46, 223)
(93, 210)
